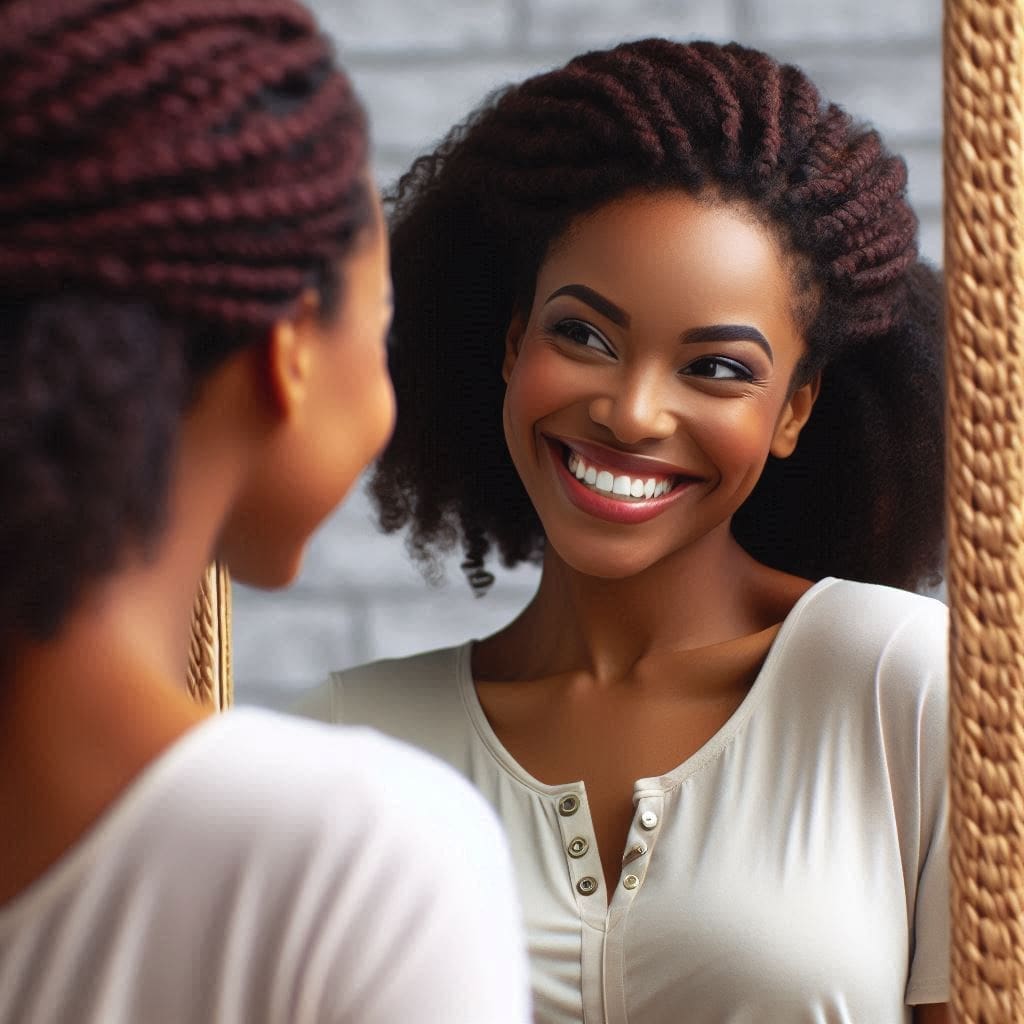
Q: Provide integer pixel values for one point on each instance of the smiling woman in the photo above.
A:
(653, 368)
(661, 326)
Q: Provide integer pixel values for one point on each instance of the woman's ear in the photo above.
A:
(289, 356)
(513, 339)
(795, 413)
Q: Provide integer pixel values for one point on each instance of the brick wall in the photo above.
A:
(422, 66)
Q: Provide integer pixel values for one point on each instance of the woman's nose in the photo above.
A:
(637, 410)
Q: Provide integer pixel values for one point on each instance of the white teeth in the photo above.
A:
(621, 486)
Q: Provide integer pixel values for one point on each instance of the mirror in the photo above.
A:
(420, 69)
(209, 653)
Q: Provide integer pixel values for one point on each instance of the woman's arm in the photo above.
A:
(933, 1013)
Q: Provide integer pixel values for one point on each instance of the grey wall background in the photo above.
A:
(421, 66)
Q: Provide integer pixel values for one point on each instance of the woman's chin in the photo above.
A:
(270, 572)
(603, 561)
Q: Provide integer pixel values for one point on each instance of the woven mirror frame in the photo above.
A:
(984, 263)
(209, 654)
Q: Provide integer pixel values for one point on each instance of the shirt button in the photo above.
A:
(631, 881)
(648, 820)
(586, 886)
(578, 847)
(568, 805)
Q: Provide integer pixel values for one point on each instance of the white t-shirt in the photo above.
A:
(794, 869)
(271, 870)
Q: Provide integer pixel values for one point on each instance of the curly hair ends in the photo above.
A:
(472, 222)
(180, 173)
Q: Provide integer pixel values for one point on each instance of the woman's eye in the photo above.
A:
(580, 333)
(718, 368)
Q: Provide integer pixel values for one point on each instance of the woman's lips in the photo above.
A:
(598, 497)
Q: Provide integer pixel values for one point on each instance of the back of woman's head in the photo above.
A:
(173, 176)
(474, 220)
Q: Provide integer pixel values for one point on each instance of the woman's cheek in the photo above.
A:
(541, 383)
(744, 430)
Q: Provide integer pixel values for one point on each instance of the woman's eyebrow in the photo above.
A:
(595, 300)
(712, 332)
(729, 332)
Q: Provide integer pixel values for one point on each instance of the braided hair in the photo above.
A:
(172, 177)
(862, 495)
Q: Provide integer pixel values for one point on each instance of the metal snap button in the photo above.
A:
(568, 805)
(586, 886)
(631, 881)
(648, 820)
(578, 847)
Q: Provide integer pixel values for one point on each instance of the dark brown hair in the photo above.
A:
(172, 177)
(472, 222)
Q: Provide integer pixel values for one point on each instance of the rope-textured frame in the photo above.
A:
(209, 654)
(984, 221)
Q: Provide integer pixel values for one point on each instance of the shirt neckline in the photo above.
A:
(697, 761)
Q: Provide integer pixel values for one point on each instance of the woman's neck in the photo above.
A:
(83, 712)
(80, 718)
(695, 598)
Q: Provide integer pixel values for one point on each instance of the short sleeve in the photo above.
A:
(317, 704)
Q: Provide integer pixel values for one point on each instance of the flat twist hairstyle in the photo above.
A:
(473, 220)
(172, 177)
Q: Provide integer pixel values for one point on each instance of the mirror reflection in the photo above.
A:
(419, 71)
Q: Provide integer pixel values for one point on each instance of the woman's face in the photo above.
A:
(337, 413)
(651, 379)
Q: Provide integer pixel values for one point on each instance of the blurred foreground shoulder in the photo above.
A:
(406, 882)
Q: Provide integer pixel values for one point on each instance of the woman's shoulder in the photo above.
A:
(336, 838)
(250, 779)
(893, 640)
(868, 614)
(417, 699)
(862, 653)
(437, 666)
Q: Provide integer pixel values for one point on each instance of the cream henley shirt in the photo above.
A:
(794, 869)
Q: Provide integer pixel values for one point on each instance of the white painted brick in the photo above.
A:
(389, 26)
(413, 105)
(924, 174)
(930, 240)
(285, 643)
(901, 95)
(594, 25)
(843, 21)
